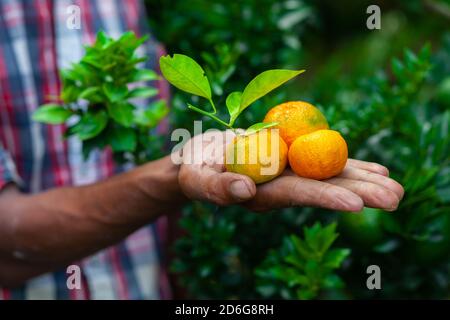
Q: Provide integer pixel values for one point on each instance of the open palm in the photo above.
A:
(360, 184)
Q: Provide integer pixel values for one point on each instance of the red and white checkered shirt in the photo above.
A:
(35, 42)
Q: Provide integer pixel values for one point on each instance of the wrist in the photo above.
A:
(136, 197)
(159, 181)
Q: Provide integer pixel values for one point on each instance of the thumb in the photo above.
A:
(237, 188)
(222, 188)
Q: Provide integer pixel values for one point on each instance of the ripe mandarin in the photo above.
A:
(319, 155)
(262, 156)
(296, 118)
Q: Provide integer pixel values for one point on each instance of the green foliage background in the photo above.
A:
(385, 90)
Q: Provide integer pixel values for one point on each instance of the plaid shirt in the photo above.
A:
(34, 43)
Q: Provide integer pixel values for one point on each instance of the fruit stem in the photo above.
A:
(208, 114)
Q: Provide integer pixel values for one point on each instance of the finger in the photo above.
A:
(369, 166)
(288, 191)
(222, 188)
(373, 195)
(368, 176)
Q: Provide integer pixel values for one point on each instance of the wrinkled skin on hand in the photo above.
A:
(360, 184)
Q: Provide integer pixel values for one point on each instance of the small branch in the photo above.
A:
(213, 106)
(210, 115)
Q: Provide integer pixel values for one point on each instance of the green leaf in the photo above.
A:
(122, 113)
(233, 103)
(397, 67)
(70, 93)
(300, 247)
(265, 82)
(306, 294)
(143, 92)
(83, 70)
(185, 74)
(259, 126)
(410, 59)
(129, 42)
(68, 75)
(295, 260)
(88, 93)
(425, 52)
(297, 279)
(93, 61)
(153, 115)
(326, 236)
(90, 125)
(333, 281)
(334, 258)
(137, 60)
(102, 39)
(122, 139)
(144, 75)
(115, 93)
(52, 114)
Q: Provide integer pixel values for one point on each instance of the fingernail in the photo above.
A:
(239, 190)
(391, 209)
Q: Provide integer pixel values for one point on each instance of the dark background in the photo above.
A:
(387, 91)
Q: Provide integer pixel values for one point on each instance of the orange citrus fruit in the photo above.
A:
(262, 155)
(296, 118)
(318, 155)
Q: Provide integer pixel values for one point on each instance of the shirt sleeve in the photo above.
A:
(8, 172)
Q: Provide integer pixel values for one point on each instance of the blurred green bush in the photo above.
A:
(384, 90)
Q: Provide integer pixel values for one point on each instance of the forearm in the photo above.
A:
(64, 224)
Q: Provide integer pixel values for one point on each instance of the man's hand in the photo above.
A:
(360, 184)
(44, 231)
